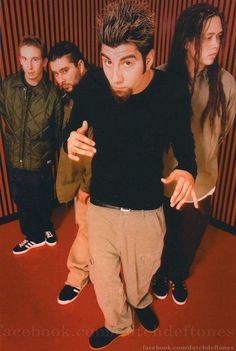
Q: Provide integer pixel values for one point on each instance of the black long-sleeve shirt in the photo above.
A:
(130, 140)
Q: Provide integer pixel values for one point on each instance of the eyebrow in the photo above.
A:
(34, 57)
(61, 69)
(122, 58)
(210, 33)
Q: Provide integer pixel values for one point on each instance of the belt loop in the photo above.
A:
(125, 209)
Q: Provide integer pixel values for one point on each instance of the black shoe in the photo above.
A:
(68, 294)
(25, 246)
(179, 292)
(102, 337)
(50, 238)
(160, 288)
(147, 318)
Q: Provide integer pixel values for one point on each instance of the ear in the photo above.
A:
(81, 67)
(45, 61)
(190, 44)
(21, 61)
(187, 45)
(150, 59)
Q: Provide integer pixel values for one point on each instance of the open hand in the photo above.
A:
(184, 187)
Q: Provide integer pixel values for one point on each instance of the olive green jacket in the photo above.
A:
(71, 175)
(33, 121)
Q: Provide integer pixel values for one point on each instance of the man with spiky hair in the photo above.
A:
(127, 104)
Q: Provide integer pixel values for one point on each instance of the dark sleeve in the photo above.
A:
(76, 118)
(85, 98)
(181, 136)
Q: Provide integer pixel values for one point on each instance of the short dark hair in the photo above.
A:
(34, 41)
(66, 48)
(126, 21)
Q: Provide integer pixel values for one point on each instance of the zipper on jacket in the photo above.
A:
(27, 96)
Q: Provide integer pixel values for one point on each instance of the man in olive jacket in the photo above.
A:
(32, 113)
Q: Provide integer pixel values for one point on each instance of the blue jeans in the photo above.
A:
(32, 193)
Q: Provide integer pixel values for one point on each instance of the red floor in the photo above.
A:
(32, 320)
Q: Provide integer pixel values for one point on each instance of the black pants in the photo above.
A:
(32, 193)
(184, 231)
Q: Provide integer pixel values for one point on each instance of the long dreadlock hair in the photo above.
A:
(189, 27)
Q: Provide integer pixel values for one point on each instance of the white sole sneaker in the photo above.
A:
(29, 247)
(61, 302)
(51, 244)
(72, 289)
(163, 297)
(178, 302)
(48, 235)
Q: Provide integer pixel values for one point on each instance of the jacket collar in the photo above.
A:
(41, 88)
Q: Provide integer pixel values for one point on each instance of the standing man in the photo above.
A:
(73, 179)
(194, 70)
(131, 112)
(31, 109)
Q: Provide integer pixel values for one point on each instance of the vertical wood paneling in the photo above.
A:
(75, 6)
(71, 20)
(75, 20)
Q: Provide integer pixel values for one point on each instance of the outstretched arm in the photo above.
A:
(79, 144)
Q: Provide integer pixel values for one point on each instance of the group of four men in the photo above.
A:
(136, 112)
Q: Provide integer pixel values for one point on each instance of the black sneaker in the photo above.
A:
(160, 288)
(179, 292)
(68, 294)
(25, 246)
(147, 318)
(50, 238)
(101, 338)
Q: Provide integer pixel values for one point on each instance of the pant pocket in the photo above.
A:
(160, 217)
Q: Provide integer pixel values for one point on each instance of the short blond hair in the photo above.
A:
(34, 41)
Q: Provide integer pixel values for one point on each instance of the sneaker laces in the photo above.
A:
(23, 242)
(49, 234)
(180, 284)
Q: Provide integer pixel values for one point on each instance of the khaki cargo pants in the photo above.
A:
(131, 241)
(78, 259)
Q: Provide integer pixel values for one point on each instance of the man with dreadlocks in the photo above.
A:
(211, 92)
(133, 122)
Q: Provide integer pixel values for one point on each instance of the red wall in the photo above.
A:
(75, 20)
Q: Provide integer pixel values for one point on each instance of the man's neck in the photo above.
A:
(148, 76)
(33, 82)
(84, 71)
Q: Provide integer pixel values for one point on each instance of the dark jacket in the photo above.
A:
(33, 118)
